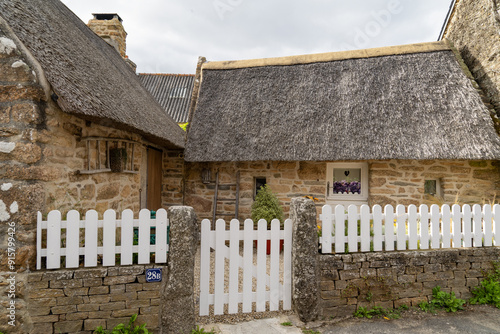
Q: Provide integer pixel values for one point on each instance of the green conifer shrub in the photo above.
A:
(266, 206)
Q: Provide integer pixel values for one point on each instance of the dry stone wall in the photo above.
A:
(390, 182)
(78, 301)
(393, 279)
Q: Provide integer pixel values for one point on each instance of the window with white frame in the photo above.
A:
(347, 182)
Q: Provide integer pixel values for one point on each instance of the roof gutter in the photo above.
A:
(447, 20)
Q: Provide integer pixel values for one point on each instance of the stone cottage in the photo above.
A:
(395, 125)
(78, 130)
(474, 27)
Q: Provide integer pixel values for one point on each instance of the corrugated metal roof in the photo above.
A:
(172, 91)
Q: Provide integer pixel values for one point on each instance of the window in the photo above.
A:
(259, 182)
(178, 92)
(108, 155)
(433, 188)
(347, 183)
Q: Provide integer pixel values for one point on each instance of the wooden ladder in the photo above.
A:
(235, 200)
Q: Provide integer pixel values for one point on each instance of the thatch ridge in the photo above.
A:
(90, 78)
(329, 56)
(407, 106)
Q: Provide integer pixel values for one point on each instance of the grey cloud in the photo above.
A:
(168, 36)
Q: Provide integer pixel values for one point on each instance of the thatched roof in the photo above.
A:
(172, 91)
(89, 76)
(408, 102)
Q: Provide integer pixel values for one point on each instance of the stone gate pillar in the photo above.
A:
(305, 268)
(177, 311)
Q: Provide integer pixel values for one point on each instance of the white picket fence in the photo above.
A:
(254, 285)
(100, 238)
(408, 228)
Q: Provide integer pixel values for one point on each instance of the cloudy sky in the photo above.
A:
(167, 36)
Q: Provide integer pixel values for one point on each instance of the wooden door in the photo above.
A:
(153, 200)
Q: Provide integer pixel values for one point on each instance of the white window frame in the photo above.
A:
(347, 199)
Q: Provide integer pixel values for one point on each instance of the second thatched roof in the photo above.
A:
(408, 102)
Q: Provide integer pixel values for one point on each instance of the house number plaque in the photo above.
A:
(153, 275)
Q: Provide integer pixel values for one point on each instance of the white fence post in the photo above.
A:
(64, 238)
(426, 228)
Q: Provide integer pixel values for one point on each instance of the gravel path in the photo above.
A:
(233, 318)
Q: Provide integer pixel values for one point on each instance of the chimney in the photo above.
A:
(110, 28)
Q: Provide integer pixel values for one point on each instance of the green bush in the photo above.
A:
(121, 329)
(266, 206)
(489, 290)
(442, 300)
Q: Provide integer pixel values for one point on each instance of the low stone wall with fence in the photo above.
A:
(392, 279)
(78, 301)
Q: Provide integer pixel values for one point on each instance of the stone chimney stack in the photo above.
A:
(110, 28)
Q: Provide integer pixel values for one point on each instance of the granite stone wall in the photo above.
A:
(390, 182)
(392, 279)
(78, 301)
(474, 29)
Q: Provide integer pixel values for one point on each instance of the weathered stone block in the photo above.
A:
(117, 289)
(63, 309)
(77, 316)
(349, 274)
(91, 273)
(76, 300)
(111, 306)
(326, 303)
(71, 283)
(68, 326)
(124, 296)
(124, 312)
(98, 290)
(41, 328)
(114, 280)
(100, 315)
(330, 294)
(92, 324)
(92, 282)
(138, 303)
(133, 287)
(147, 294)
(46, 293)
(71, 292)
(45, 318)
(327, 285)
(87, 307)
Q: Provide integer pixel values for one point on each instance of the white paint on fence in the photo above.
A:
(99, 240)
(407, 228)
(228, 262)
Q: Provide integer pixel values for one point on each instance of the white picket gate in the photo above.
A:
(409, 228)
(255, 285)
(92, 243)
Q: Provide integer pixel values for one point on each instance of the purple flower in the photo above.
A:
(355, 187)
(340, 187)
(344, 187)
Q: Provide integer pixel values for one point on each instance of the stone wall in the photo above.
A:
(390, 182)
(474, 29)
(398, 278)
(78, 301)
(112, 32)
(41, 151)
(463, 182)
(173, 178)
